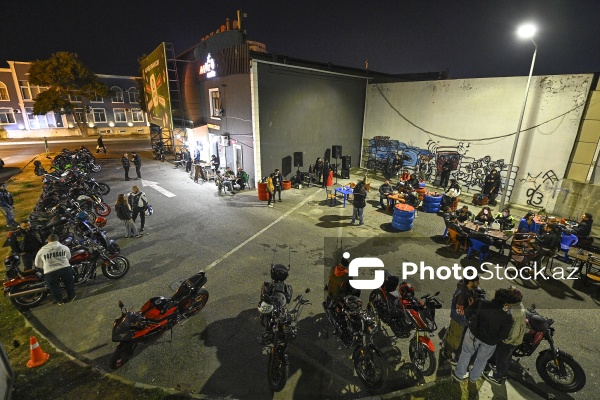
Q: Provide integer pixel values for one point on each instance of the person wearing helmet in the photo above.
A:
(26, 241)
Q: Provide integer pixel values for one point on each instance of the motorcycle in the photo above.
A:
(24, 288)
(280, 324)
(158, 152)
(86, 258)
(157, 315)
(356, 327)
(397, 307)
(556, 367)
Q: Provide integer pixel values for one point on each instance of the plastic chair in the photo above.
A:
(566, 242)
(478, 245)
(455, 240)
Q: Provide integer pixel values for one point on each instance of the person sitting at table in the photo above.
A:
(464, 214)
(405, 176)
(461, 235)
(413, 182)
(480, 235)
(584, 228)
(451, 193)
(527, 224)
(548, 240)
(226, 181)
(384, 191)
(485, 216)
(505, 219)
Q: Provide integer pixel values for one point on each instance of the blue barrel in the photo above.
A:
(431, 204)
(403, 217)
(422, 184)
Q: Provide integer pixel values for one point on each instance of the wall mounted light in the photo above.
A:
(91, 124)
(111, 124)
(70, 126)
(21, 126)
(130, 124)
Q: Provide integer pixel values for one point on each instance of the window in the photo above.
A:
(134, 95)
(99, 115)
(137, 115)
(94, 98)
(79, 113)
(41, 121)
(73, 97)
(7, 116)
(215, 103)
(117, 96)
(30, 92)
(120, 115)
(3, 92)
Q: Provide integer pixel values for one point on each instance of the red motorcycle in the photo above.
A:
(24, 288)
(396, 306)
(158, 315)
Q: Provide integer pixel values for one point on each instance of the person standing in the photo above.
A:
(26, 242)
(270, 190)
(445, 173)
(7, 203)
(491, 186)
(137, 161)
(319, 169)
(123, 211)
(138, 202)
(278, 182)
(100, 145)
(54, 259)
(125, 162)
(199, 172)
(505, 348)
(215, 162)
(326, 169)
(489, 324)
(187, 156)
(359, 202)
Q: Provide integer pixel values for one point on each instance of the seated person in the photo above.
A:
(461, 234)
(451, 193)
(464, 214)
(485, 216)
(527, 224)
(405, 176)
(413, 182)
(505, 220)
(482, 237)
(446, 214)
(241, 178)
(548, 240)
(227, 183)
(384, 191)
(584, 228)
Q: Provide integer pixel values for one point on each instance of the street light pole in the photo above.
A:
(528, 35)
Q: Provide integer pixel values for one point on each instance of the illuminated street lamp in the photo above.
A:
(526, 32)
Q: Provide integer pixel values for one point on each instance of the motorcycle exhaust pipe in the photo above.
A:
(28, 292)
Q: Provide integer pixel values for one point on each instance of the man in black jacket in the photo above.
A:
(491, 186)
(137, 161)
(26, 242)
(384, 191)
(584, 228)
(278, 183)
(125, 162)
(489, 324)
(445, 173)
(359, 202)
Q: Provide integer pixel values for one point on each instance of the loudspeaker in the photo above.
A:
(345, 174)
(286, 165)
(298, 159)
(336, 151)
(346, 161)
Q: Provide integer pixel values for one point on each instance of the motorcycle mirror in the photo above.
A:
(436, 294)
(533, 306)
(307, 290)
(121, 305)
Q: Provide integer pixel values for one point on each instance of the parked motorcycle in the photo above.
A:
(556, 367)
(356, 327)
(158, 152)
(87, 257)
(157, 315)
(396, 306)
(280, 323)
(24, 288)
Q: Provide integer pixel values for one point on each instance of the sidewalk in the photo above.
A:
(69, 139)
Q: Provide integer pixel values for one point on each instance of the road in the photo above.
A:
(235, 239)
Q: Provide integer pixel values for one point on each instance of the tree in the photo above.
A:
(71, 86)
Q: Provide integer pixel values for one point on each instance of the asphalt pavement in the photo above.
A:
(235, 238)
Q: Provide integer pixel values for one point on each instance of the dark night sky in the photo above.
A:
(469, 38)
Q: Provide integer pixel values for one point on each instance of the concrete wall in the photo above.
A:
(454, 116)
(306, 111)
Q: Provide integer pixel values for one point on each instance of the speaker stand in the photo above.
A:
(335, 170)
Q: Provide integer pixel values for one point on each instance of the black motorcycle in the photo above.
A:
(158, 152)
(556, 367)
(355, 328)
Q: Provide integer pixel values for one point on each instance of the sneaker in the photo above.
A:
(451, 358)
(139, 235)
(60, 303)
(142, 230)
(456, 377)
(270, 205)
(352, 223)
(70, 299)
(491, 379)
(127, 237)
(280, 200)
(479, 383)
(362, 223)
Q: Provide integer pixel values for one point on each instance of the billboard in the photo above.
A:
(156, 88)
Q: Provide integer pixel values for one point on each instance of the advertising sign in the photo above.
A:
(156, 88)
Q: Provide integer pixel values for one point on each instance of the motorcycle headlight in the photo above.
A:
(265, 308)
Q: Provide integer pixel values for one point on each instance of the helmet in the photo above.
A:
(279, 272)
(407, 290)
(100, 222)
(12, 261)
(352, 304)
(37, 162)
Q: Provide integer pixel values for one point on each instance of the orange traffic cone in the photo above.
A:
(38, 357)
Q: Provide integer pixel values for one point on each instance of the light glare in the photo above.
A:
(526, 31)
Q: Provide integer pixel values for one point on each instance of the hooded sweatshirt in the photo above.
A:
(338, 283)
(53, 257)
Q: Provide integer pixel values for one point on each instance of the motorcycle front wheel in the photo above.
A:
(422, 357)
(96, 167)
(198, 304)
(117, 268)
(103, 189)
(278, 369)
(102, 209)
(572, 381)
(369, 369)
(122, 354)
(27, 301)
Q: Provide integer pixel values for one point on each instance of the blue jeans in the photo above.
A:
(10, 215)
(53, 281)
(472, 345)
(357, 213)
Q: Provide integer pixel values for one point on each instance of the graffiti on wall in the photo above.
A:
(540, 185)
